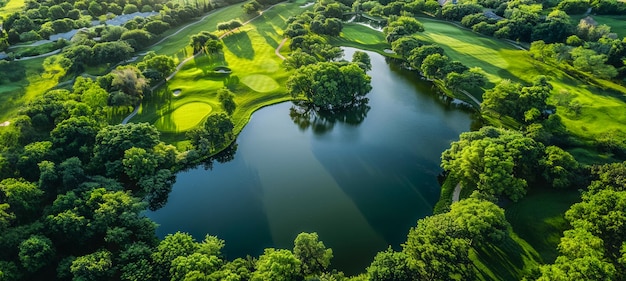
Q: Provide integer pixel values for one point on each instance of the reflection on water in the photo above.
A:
(360, 179)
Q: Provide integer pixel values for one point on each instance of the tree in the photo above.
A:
(137, 38)
(156, 67)
(36, 252)
(113, 141)
(410, 25)
(139, 163)
(417, 56)
(226, 98)
(196, 263)
(473, 78)
(157, 27)
(278, 265)
(130, 81)
(363, 60)
(561, 169)
(435, 251)
(24, 198)
(111, 52)
(75, 137)
(601, 214)
(589, 61)
(171, 247)
(297, 59)
(93, 267)
(457, 12)
(216, 132)
(433, 66)
(479, 220)
(312, 253)
(391, 266)
(405, 45)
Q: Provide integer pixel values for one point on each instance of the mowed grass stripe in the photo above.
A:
(248, 52)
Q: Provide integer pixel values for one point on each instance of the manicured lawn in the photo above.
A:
(539, 218)
(258, 76)
(360, 36)
(12, 6)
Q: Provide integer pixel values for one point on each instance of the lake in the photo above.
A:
(360, 179)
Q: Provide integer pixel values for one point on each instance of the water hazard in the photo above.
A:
(360, 179)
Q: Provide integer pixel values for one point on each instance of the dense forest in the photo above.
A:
(74, 182)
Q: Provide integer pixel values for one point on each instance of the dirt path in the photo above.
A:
(277, 51)
(457, 193)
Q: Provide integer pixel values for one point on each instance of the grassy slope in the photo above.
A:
(12, 6)
(249, 52)
(603, 102)
(538, 218)
(15, 94)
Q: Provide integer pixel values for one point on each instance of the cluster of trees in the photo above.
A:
(229, 25)
(594, 249)
(438, 248)
(325, 20)
(430, 59)
(329, 85)
(499, 162)
(603, 59)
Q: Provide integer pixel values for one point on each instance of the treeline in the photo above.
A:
(522, 20)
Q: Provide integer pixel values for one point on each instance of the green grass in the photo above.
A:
(362, 37)
(12, 6)
(511, 259)
(14, 95)
(248, 52)
(539, 218)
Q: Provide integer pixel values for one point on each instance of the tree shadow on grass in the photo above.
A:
(267, 30)
(240, 45)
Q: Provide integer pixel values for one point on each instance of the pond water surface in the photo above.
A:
(359, 180)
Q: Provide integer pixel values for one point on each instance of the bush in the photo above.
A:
(130, 8)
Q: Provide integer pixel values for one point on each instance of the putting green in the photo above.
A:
(185, 117)
(260, 83)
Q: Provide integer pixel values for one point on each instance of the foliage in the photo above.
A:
(312, 253)
(279, 265)
(495, 161)
(330, 86)
(214, 134)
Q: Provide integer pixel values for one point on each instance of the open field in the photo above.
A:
(257, 79)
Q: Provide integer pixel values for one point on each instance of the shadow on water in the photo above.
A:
(240, 45)
(321, 121)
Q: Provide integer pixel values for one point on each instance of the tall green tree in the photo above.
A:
(312, 253)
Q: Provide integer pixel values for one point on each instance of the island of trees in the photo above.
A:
(74, 181)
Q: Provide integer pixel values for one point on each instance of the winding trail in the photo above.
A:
(471, 97)
(277, 51)
(457, 193)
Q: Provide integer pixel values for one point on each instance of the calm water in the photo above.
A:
(360, 180)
